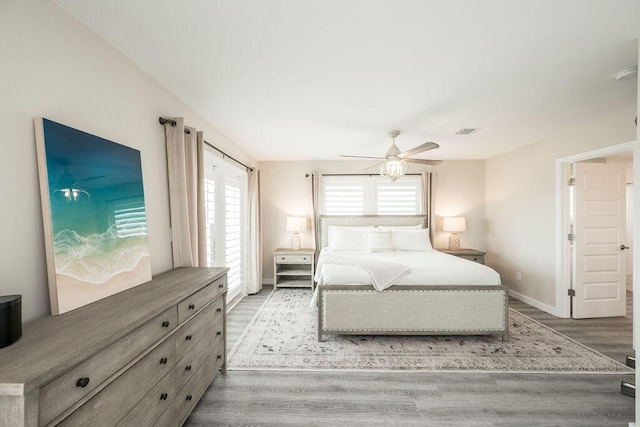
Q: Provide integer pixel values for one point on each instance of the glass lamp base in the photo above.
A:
(295, 242)
(454, 242)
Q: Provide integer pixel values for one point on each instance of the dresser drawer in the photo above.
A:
(195, 388)
(153, 405)
(191, 305)
(111, 404)
(195, 329)
(192, 360)
(72, 386)
(294, 259)
(168, 418)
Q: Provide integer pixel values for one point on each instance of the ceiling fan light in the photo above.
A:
(394, 168)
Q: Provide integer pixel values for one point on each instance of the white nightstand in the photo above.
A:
(466, 253)
(293, 269)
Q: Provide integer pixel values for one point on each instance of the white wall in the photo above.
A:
(459, 190)
(520, 202)
(54, 67)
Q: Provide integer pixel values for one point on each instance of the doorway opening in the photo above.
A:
(595, 220)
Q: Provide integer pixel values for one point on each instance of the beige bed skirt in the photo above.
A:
(413, 310)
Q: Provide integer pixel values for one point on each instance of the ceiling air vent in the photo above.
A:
(467, 131)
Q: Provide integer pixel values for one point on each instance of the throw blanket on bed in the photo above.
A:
(382, 274)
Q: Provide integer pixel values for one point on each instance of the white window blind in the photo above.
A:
(344, 196)
(398, 198)
(371, 195)
(226, 219)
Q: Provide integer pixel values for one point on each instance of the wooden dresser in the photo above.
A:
(142, 357)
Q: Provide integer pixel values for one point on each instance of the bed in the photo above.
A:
(439, 294)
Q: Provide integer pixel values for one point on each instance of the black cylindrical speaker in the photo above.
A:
(10, 319)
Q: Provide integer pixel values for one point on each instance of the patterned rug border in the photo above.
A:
(627, 370)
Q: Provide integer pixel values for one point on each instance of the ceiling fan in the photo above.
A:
(395, 161)
(69, 187)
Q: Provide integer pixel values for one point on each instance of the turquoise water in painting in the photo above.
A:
(97, 205)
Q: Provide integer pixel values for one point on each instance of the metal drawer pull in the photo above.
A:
(82, 382)
(219, 356)
(187, 368)
(163, 361)
(189, 397)
(165, 324)
(188, 337)
(221, 285)
(219, 333)
(164, 396)
(219, 309)
(192, 306)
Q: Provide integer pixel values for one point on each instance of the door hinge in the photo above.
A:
(571, 292)
(572, 181)
(571, 237)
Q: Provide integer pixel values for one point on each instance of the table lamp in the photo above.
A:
(296, 224)
(454, 225)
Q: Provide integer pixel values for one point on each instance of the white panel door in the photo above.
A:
(599, 265)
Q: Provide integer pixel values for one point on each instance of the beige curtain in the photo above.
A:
(185, 151)
(316, 199)
(254, 235)
(428, 202)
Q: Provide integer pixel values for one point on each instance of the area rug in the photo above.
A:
(282, 336)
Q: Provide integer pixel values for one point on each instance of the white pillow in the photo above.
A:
(400, 227)
(379, 241)
(411, 240)
(348, 238)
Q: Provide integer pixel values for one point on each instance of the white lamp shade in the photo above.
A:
(296, 223)
(454, 224)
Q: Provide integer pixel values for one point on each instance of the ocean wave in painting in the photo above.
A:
(97, 258)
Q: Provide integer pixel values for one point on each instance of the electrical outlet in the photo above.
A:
(518, 276)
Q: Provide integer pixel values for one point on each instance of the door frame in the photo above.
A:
(563, 267)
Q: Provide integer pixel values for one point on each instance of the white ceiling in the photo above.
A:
(308, 80)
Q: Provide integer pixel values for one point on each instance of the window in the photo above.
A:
(372, 195)
(225, 189)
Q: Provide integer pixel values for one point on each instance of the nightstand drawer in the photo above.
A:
(475, 258)
(302, 259)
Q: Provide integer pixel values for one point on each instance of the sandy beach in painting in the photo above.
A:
(73, 293)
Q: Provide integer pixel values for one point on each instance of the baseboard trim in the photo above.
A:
(267, 281)
(534, 303)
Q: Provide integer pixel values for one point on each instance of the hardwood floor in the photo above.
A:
(425, 399)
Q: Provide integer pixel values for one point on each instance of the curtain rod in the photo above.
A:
(361, 174)
(173, 123)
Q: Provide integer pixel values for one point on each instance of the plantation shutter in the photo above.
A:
(234, 259)
(226, 219)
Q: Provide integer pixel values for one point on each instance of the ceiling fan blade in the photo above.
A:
(374, 166)
(419, 149)
(91, 178)
(364, 157)
(424, 161)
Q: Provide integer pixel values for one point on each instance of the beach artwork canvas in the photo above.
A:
(93, 213)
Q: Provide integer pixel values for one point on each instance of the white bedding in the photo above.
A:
(427, 268)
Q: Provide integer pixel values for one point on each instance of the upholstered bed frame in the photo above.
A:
(407, 310)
